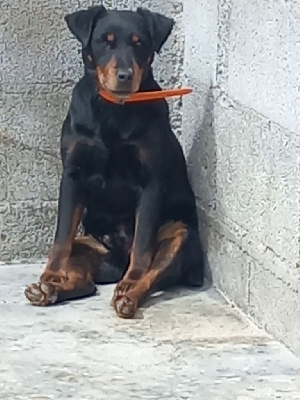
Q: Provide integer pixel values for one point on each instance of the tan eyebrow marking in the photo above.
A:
(135, 38)
(110, 37)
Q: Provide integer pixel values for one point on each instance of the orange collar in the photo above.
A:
(145, 96)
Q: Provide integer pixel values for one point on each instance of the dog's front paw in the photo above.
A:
(122, 287)
(41, 294)
(125, 306)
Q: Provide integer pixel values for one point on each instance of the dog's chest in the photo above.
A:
(115, 195)
(125, 166)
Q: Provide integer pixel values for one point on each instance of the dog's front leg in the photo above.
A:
(83, 158)
(58, 279)
(70, 210)
(146, 225)
(65, 277)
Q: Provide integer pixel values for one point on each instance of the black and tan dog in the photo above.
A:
(124, 174)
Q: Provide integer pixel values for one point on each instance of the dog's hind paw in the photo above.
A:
(41, 294)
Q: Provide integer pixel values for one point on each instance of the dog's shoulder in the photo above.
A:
(81, 111)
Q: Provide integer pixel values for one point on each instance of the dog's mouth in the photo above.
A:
(109, 81)
(121, 94)
(118, 93)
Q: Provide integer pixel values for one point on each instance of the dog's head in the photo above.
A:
(119, 45)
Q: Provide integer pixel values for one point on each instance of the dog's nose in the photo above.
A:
(125, 75)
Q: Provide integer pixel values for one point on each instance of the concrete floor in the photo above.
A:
(182, 345)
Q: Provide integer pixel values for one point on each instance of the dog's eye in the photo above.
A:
(136, 41)
(109, 39)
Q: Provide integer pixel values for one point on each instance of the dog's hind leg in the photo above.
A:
(88, 263)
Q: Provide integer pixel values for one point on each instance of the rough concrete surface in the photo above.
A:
(182, 345)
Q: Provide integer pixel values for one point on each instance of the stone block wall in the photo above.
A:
(241, 132)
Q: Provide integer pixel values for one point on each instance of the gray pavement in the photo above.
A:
(182, 345)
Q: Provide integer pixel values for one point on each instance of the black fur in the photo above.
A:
(102, 143)
(124, 174)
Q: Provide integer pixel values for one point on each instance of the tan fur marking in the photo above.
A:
(110, 37)
(59, 254)
(107, 77)
(92, 243)
(171, 230)
(135, 38)
(143, 154)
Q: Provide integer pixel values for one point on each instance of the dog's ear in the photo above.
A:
(81, 23)
(159, 27)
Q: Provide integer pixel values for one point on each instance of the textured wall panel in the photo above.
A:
(264, 55)
(242, 140)
(197, 137)
(258, 177)
(26, 229)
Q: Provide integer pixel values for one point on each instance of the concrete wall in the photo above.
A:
(39, 64)
(242, 140)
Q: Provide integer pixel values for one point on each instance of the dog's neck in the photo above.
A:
(148, 82)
